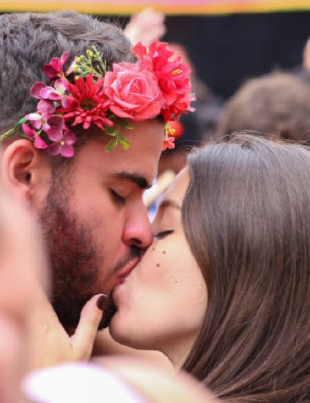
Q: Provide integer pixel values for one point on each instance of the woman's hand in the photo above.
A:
(49, 342)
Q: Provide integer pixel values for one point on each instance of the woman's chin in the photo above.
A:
(127, 333)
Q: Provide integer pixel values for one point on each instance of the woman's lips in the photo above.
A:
(109, 308)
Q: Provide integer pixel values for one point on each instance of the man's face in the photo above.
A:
(94, 220)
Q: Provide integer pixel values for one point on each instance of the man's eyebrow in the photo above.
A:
(137, 179)
(169, 203)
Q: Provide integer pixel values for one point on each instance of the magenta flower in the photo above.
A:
(41, 91)
(39, 143)
(37, 120)
(45, 106)
(64, 146)
(30, 133)
(52, 125)
(54, 69)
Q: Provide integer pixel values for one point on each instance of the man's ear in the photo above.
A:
(25, 171)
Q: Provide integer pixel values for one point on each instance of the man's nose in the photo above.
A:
(138, 230)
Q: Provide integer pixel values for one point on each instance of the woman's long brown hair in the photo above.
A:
(246, 216)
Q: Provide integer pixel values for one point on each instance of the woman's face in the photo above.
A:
(161, 304)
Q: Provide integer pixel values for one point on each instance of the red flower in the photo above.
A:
(168, 143)
(87, 104)
(172, 75)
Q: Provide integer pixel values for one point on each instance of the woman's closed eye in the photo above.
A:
(163, 234)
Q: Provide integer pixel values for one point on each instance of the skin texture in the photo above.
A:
(93, 220)
(170, 284)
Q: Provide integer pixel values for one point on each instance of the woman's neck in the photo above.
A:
(177, 352)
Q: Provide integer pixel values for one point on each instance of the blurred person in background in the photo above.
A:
(276, 104)
(146, 27)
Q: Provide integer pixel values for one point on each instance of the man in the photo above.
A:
(90, 206)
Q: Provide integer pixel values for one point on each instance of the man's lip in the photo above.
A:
(127, 268)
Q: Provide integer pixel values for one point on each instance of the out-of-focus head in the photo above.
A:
(276, 104)
(22, 275)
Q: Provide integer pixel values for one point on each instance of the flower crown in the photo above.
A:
(88, 94)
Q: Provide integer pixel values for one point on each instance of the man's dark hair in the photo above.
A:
(276, 104)
(28, 41)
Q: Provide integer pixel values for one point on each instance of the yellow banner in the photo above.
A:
(125, 7)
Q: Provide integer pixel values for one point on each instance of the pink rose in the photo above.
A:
(134, 92)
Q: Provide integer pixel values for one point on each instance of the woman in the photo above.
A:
(224, 291)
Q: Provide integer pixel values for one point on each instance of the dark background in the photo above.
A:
(226, 50)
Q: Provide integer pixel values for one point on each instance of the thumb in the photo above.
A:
(85, 334)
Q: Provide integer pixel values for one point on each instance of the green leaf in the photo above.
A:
(127, 125)
(112, 117)
(112, 144)
(20, 122)
(124, 142)
(110, 131)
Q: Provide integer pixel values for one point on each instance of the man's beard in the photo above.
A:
(74, 256)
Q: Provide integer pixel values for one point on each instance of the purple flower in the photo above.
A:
(55, 93)
(54, 69)
(63, 147)
(45, 106)
(39, 143)
(52, 125)
(30, 133)
(38, 120)
(54, 128)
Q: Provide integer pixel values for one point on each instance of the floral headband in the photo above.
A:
(88, 94)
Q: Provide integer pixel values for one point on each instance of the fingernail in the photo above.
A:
(100, 301)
